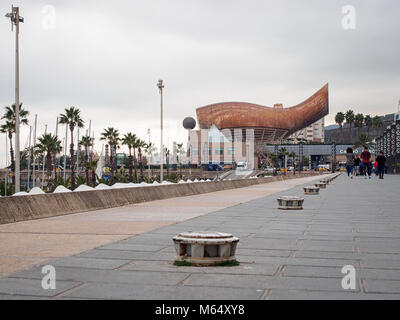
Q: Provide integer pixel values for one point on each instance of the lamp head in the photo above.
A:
(160, 84)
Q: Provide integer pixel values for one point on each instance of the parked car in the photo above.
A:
(269, 169)
(323, 167)
(241, 165)
(214, 167)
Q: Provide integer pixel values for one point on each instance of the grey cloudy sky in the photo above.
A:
(105, 57)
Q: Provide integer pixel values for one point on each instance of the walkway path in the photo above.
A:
(283, 254)
(27, 243)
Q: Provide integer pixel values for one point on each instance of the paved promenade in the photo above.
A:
(283, 254)
(24, 244)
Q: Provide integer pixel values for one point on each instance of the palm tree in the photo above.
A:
(359, 122)
(87, 142)
(92, 165)
(339, 119)
(111, 135)
(73, 119)
(362, 141)
(368, 123)
(135, 146)
(377, 123)
(349, 116)
(9, 114)
(141, 144)
(179, 150)
(129, 140)
(51, 146)
(9, 127)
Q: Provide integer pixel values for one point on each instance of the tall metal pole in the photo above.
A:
(65, 150)
(34, 159)
(44, 158)
(15, 20)
(29, 158)
(17, 151)
(149, 150)
(160, 87)
(77, 153)
(190, 156)
(6, 177)
(55, 156)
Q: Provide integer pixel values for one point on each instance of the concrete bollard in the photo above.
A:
(321, 185)
(205, 248)
(290, 203)
(310, 190)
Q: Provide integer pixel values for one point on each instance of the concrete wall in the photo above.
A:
(20, 208)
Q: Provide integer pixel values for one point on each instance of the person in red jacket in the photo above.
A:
(366, 158)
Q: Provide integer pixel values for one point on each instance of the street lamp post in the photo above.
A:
(160, 87)
(149, 153)
(189, 124)
(15, 20)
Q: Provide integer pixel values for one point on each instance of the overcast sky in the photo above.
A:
(105, 58)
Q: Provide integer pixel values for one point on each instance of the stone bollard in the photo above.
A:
(205, 248)
(321, 185)
(290, 203)
(311, 190)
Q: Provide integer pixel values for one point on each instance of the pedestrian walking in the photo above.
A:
(376, 168)
(349, 162)
(381, 160)
(365, 160)
(357, 162)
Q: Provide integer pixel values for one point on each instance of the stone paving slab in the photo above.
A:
(284, 294)
(283, 255)
(33, 287)
(109, 276)
(126, 291)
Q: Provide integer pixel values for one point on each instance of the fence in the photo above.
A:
(389, 144)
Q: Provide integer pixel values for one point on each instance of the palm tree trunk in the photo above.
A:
(111, 163)
(87, 164)
(71, 151)
(55, 167)
(48, 164)
(93, 177)
(12, 158)
(130, 165)
(135, 163)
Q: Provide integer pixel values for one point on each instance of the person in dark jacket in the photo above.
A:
(357, 161)
(381, 160)
(349, 162)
